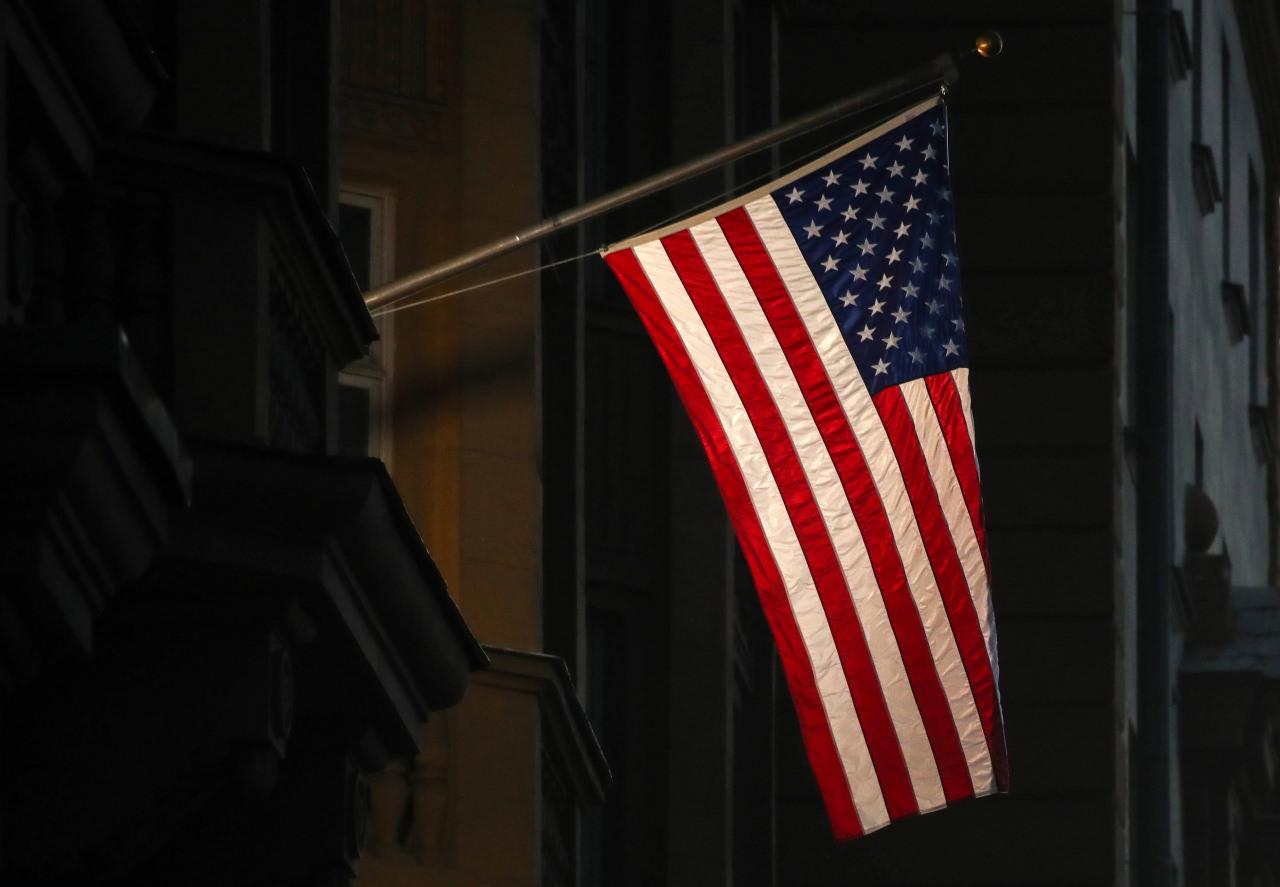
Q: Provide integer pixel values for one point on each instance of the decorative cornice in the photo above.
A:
(334, 532)
(284, 192)
(572, 739)
(91, 467)
(386, 116)
(1259, 22)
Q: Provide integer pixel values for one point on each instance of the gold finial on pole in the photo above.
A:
(988, 44)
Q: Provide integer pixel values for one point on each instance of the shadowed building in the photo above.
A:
(212, 622)
(216, 612)
(1105, 564)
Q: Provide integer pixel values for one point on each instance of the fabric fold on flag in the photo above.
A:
(814, 330)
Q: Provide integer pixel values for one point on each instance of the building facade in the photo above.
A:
(212, 624)
(225, 648)
(1124, 420)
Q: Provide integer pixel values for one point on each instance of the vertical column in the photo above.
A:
(225, 97)
(701, 611)
(7, 206)
(1153, 816)
(303, 84)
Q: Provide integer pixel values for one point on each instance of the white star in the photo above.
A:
(841, 238)
(880, 367)
(926, 242)
(895, 169)
(793, 196)
(894, 255)
(813, 228)
(903, 143)
(936, 127)
(910, 291)
(920, 177)
(831, 177)
(848, 299)
(830, 263)
(949, 258)
(901, 314)
(917, 356)
(885, 195)
(877, 221)
(859, 273)
(902, 230)
(934, 305)
(944, 284)
(823, 203)
(877, 307)
(868, 162)
(917, 264)
(958, 322)
(865, 334)
(891, 342)
(928, 331)
(884, 282)
(934, 217)
(912, 203)
(944, 193)
(850, 213)
(951, 348)
(929, 153)
(860, 188)
(867, 247)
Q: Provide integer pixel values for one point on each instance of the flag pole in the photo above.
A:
(941, 69)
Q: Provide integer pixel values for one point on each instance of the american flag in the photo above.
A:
(815, 332)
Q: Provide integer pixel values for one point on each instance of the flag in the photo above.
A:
(815, 332)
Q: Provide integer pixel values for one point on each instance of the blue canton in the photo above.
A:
(877, 228)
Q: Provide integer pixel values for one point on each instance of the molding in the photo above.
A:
(572, 740)
(91, 465)
(280, 190)
(333, 534)
(1236, 305)
(379, 115)
(1230, 686)
(1259, 22)
(1181, 58)
(1204, 177)
(1260, 431)
(92, 72)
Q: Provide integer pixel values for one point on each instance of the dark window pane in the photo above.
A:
(355, 229)
(353, 420)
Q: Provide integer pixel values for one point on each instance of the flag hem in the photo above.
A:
(840, 150)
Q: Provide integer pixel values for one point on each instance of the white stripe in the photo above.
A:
(933, 440)
(837, 514)
(986, 614)
(961, 376)
(833, 689)
(951, 497)
(876, 449)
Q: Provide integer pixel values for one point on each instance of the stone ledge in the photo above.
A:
(91, 466)
(572, 739)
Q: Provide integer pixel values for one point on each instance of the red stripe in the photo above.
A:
(864, 499)
(819, 742)
(946, 403)
(945, 398)
(868, 699)
(941, 549)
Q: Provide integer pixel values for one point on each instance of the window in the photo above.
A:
(1255, 285)
(1204, 170)
(1225, 59)
(1197, 66)
(366, 225)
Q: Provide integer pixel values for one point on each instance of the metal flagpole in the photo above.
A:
(941, 70)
